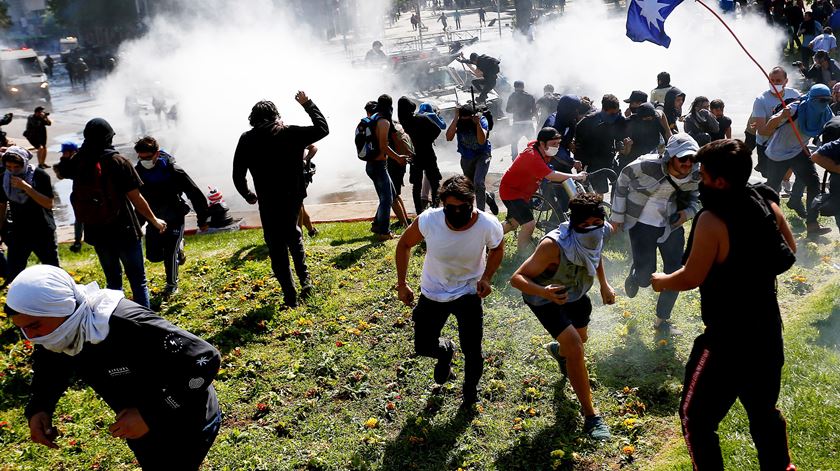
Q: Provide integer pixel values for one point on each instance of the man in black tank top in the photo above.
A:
(740, 239)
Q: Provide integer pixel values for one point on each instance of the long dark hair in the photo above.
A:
(263, 111)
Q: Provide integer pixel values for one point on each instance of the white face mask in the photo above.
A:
(148, 164)
(551, 151)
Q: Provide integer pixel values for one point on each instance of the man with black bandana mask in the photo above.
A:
(554, 282)
(739, 243)
(464, 248)
(596, 138)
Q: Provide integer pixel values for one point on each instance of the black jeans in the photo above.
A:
(430, 317)
(283, 237)
(164, 248)
(431, 171)
(714, 377)
(165, 452)
(805, 173)
(643, 245)
(23, 244)
(484, 86)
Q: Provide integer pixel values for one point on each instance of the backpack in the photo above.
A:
(779, 256)
(402, 142)
(367, 145)
(489, 65)
(94, 198)
(789, 101)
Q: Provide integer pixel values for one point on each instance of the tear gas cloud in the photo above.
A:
(220, 60)
(217, 60)
(587, 53)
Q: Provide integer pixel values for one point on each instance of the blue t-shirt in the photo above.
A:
(468, 145)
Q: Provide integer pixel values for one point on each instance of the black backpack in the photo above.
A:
(488, 65)
(367, 145)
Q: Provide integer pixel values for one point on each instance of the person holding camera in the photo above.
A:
(36, 134)
(825, 70)
(739, 243)
(654, 197)
(308, 174)
(464, 248)
(271, 151)
(554, 283)
(471, 129)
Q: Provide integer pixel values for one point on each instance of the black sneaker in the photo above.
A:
(306, 291)
(470, 396)
(182, 257)
(169, 291)
(491, 203)
(313, 232)
(596, 428)
(554, 349)
(631, 288)
(76, 247)
(443, 368)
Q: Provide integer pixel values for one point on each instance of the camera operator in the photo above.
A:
(36, 134)
(484, 67)
(825, 70)
(471, 129)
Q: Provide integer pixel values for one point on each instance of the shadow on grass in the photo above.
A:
(535, 452)
(247, 254)
(349, 258)
(653, 368)
(338, 242)
(419, 446)
(243, 330)
(829, 329)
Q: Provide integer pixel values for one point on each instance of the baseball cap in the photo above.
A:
(69, 147)
(548, 134)
(637, 95)
(680, 145)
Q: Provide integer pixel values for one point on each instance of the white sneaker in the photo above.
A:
(786, 187)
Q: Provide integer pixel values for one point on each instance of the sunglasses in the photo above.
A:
(687, 158)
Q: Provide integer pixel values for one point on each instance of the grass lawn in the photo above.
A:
(334, 384)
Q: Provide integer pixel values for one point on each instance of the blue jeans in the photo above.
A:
(130, 254)
(476, 170)
(643, 245)
(377, 170)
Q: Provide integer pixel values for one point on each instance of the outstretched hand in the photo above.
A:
(301, 97)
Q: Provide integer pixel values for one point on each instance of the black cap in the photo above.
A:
(637, 95)
(646, 110)
(548, 134)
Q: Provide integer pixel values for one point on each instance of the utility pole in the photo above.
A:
(499, 16)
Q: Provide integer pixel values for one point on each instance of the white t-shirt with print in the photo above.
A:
(455, 260)
(653, 214)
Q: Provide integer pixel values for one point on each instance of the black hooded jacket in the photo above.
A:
(97, 154)
(670, 111)
(422, 131)
(273, 153)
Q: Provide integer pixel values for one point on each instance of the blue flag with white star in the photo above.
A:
(646, 20)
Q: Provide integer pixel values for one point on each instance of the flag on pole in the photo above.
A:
(646, 20)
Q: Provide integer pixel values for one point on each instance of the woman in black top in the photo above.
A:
(155, 376)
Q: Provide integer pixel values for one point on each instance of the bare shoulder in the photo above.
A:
(710, 224)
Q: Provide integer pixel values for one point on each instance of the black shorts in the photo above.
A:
(557, 317)
(519, 211)
(37, 143)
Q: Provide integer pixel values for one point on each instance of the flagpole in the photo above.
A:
(775, 90)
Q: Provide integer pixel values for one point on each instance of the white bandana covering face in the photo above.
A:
(47, 291)
(583, 249)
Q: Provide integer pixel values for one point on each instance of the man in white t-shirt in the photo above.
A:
(464, 248)
(654, 197)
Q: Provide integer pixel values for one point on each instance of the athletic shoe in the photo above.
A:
(595, 427)
(797, 207)
(554, 349)
(443, 368)
(182, 257)
(306, 291)
(76, 247)
(384, 237)
(631, 288)
(665, 328)
(313, 232)
(786, 188)
(814, 230)
(491, 203)
(470, 396)
(43, 166)
(169, 291)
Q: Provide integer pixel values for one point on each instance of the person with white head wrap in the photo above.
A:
(28, 196)
(156, 377)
